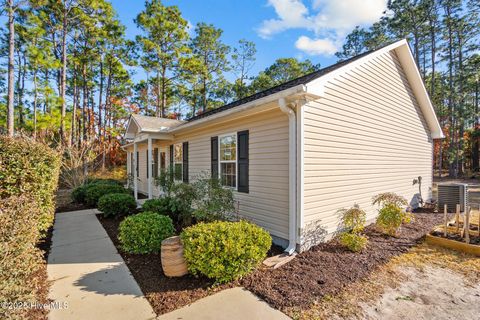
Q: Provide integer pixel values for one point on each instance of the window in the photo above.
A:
(178, 161)
(228, 160)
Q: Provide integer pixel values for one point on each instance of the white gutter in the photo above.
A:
(292, 174)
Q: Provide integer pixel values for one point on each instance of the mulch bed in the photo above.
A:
(323, 270)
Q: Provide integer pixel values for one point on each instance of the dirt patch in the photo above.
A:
(322, 272)
(435, 292)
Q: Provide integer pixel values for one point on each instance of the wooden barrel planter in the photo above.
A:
(173, 263)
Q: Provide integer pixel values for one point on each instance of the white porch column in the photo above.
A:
(129, 169)
(149, 168)
(135, 165)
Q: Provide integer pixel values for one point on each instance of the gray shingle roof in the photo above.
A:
(155, 124)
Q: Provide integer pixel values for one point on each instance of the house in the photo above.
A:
(297, 153)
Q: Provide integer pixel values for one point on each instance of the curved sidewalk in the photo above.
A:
(89, 278)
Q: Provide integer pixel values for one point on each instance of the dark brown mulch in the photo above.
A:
(457, 237)
(72, 206)
(323, 270)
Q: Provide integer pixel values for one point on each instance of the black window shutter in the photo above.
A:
(242, 178)
(155, 162)
(214, 157)
(185, 162)
(137, 166)
(171, 164)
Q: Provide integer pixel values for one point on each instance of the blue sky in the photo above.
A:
(312, 29)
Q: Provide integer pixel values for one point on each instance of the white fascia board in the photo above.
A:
(299, 89)
(416, 83)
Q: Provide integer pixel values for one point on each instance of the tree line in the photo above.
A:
(70, 74)
(69, 69)
(444, 36)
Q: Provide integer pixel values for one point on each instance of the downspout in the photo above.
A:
(288, 108)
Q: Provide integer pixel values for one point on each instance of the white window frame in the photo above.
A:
(175, 162)
(220, 161)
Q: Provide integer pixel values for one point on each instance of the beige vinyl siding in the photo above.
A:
(267, 201)
(366, 136)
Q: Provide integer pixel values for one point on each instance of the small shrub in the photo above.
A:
(177, 208)
(78, 194)
(353, 241)
(391, 217)
(94, 191)
(144, 232)
(160, 206)
(212, 201)
(353, 220)
(103, 181)
(386, 198)
(391, 214)
(114, 204)
(223, 250)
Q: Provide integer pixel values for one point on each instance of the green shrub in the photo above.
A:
(212, 201)
(95, 191)
(114, 204)
(21, 260)
(30, 168)
(78, 194)
(160, 206)
(144, 232)
(391, 214)
(177, 208)
(353, 221)
(353, 241)
(103, 181)
(391, 217)
(223, 250)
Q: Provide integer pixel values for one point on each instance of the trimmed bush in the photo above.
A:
(78, 194)
(103, 181)
(21, 259)
(144, 232)
(160, 206)
(224, 251)
(28, 167)
(115, 204)
(353, 241)
(353, 221)
(95, 191)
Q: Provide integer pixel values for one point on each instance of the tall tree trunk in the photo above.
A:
(63, 84)
(35, 94)
(100, 95)
(11, 69)
(476, 146)
(164, 91)
(74, 108)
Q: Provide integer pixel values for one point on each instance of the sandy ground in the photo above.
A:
(434, 293)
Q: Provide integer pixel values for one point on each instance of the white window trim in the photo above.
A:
(174, 162)
(220, 161)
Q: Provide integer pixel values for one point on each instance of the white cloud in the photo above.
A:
(291, 14)
(316, 46)
(329, 20)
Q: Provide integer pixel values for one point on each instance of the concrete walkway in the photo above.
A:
(231, 304)
(89, 278)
